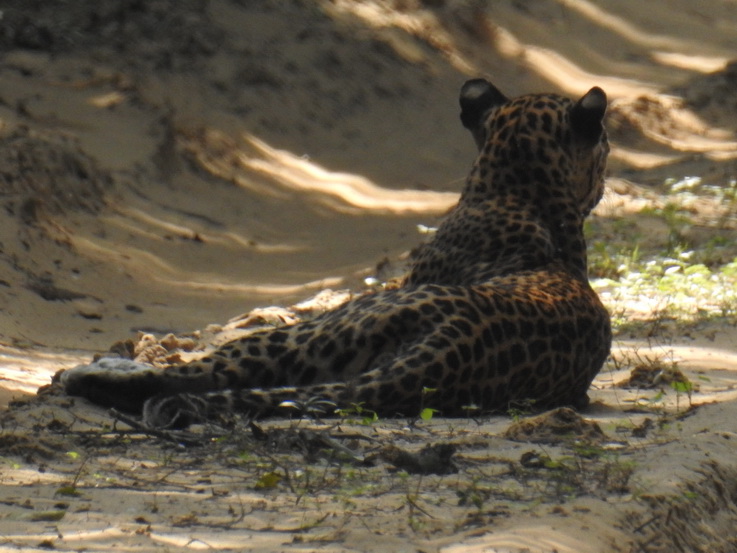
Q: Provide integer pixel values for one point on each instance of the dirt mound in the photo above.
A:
(48, 172)
(712, 96)
(173, 31)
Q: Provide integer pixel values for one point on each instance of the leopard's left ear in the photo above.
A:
(477, 97)
(587, 116)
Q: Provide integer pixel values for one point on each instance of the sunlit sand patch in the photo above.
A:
(267, 289)
(27, 476)
(141, 223)
(541, 537)
(145, 225)
(260, 246)
(129, 258)
(668, 121)
(22, 371)
(646, 39)
(701, 64)
(622, 198)
(213, 540)
(420, 23)
(640, 160)
(257, 166)
(563, 72)
(145, 264)
(350, 191)
(108, 100)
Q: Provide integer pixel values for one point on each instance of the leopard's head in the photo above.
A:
(541, 146)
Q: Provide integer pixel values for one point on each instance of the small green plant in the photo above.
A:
(475, 494)
(366, 417)
(681, 387)
(268, 480)
(13, 464)
(416, 514)
(427, 414)
(521, 409)
(71, 490)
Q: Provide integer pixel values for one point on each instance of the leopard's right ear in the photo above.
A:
(587, 116)
(478, 96)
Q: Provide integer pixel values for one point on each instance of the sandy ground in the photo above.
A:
(166, 165)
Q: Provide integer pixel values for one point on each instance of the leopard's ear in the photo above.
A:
(587, 116)
(478, 96)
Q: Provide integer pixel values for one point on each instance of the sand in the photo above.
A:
(170, 165)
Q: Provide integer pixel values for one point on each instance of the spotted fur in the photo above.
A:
(496, 309)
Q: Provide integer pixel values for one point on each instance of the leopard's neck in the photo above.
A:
(536, 200)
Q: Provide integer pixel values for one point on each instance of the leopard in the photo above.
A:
(495, 310)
